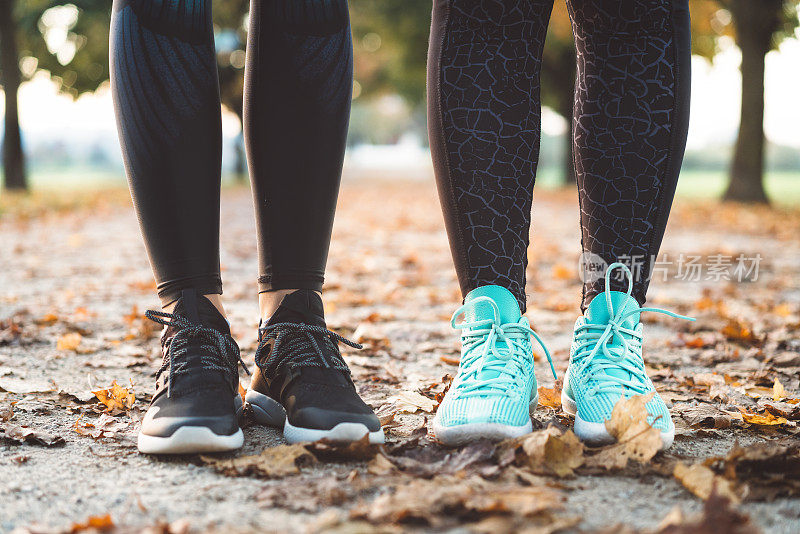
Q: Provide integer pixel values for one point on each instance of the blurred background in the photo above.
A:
(744, 142)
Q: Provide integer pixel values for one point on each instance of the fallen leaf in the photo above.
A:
(381, 465)
(94, 523)
(701, 481)
(718, 517)
(737, 330)
(386, 414)
(636, 438)
(447, 500)
(778, 391)
(412, 402)
(550, 397)
(105, 427)
(705, 415)
(548, 451)
(562, 272)
(327, 450)
(69, 341)
(769, 469)
(18, 435)
(273, 462)
(47, 319)
(765, 419)
(116, 398)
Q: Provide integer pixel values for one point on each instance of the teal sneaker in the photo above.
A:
(495, 388)
(606, 365)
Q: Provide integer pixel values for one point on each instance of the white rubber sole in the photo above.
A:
(453, 436)
(596, 433)
(267, 411)
(190, 440)
(343, 432)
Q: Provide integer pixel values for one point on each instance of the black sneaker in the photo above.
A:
(302, 383)
(196, 401)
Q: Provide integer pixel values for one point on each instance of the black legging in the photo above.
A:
(629, 131)
(297, 104)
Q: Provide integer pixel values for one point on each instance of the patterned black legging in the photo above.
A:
(631, 119)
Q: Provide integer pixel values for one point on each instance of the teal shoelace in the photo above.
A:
(604, 347)
(480, 340)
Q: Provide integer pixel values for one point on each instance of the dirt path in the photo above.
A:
(391, 281)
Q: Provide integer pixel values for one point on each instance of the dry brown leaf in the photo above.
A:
(94, 523)
(115, 397)
(636, 438)
(719, 517)
(701, 481)
(413, 402)
(550, 451)
(47, 319)
(706, 415)
(69, 341)
(381, 465)
(444, 500)
(273, 462)
(778, 391)
(737, 330)
(765, 419)
(327, 450)
(18, 435)
(562, 272)
(550, 397)
(106, 426)
(386, 414)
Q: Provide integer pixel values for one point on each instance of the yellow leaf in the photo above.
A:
(550, 397)
(765, 419)
(701, 481)
(94, 523)
(778, 391)
(69, 341)
(116, 397)
(562, 272)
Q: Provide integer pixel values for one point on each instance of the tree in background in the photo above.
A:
(67, 39)
(757, 27)
(10, 78)
(558, 80)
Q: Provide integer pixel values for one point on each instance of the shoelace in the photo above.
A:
(298, 345)
(595, 340)
(480, 340)
(215, 347)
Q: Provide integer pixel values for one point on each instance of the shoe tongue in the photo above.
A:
(598, 313)
(302, 306)
(480, 311)
(502, 297)
(199, 310)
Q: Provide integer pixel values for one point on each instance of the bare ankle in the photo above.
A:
(215, 299)
(269, 301)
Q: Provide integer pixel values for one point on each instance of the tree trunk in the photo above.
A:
(13, 158)
(755, 23)
(568, 166)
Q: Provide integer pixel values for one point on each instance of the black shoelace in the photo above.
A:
(218, 351)
(300, 345)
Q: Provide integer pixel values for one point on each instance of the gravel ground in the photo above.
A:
(390, 276)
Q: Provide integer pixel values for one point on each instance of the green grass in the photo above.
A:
(783, 188)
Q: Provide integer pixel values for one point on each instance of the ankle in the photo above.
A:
(214, 298)
(268, 301)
